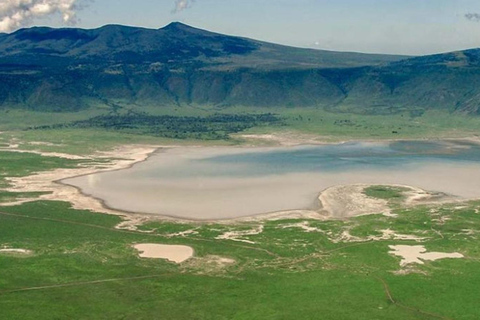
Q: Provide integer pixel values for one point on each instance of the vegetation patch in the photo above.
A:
(385, 192)
(13, 164)
(14, 196)
(213, 127)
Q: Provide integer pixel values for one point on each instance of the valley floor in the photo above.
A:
(68, 260)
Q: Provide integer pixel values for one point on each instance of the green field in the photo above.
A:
(82, 267)
(342, 126)
(71, 134)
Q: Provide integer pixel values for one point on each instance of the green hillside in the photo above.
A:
(182, 71)
(49, 69)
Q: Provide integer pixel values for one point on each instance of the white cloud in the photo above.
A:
(15, 14)
(181, 5)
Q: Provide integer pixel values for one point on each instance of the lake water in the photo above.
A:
(223, 183)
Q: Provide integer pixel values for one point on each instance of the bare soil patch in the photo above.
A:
(418, 254)
(173, 253)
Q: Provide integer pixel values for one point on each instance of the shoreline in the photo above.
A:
(292, 139)
(122, 157)
(127, 156)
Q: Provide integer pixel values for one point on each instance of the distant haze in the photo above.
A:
(383, 26)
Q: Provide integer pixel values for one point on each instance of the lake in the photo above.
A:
(210, 183)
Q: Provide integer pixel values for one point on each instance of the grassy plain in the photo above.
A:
(340, 126)
(311, 121)
(82, 267)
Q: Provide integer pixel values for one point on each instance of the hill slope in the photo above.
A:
(70, 69)
(175, 44)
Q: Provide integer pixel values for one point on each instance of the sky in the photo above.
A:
(413, 27)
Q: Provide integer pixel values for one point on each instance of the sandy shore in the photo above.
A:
(49, 181)
(348, 201)
(291, 139)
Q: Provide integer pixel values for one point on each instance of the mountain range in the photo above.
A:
(69, 69)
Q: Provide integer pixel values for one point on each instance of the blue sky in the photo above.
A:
(385, 26)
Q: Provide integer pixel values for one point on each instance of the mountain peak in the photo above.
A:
(178, 26)
(69, 69)
(175, 43)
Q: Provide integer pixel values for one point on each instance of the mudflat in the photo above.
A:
(207, 183)
(173, 253)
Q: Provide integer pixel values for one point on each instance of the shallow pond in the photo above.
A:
(205, 183)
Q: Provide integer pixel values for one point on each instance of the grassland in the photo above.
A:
(82, 267)
(347, 126)
(316, 122)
